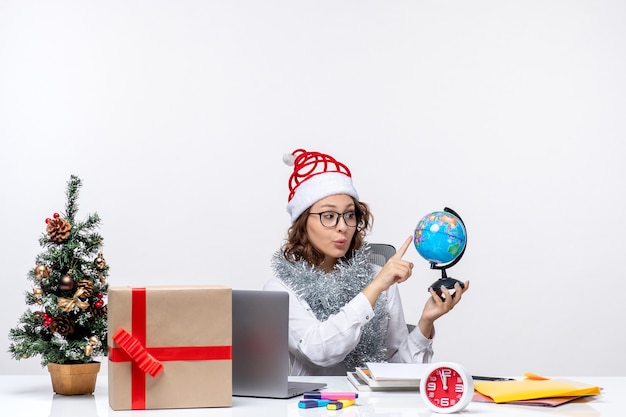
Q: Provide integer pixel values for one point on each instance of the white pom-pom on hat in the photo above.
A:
(288, 159)
(315, 176)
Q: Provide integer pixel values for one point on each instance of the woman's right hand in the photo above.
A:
(396, 270)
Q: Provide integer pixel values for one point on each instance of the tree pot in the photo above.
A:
(74, 378)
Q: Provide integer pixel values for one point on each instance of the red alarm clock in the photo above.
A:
(446, 387)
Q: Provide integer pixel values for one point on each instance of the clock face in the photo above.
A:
(447, 387)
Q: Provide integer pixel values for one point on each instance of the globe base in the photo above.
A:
(448, 283)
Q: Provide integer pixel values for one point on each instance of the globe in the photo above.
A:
(440, 237)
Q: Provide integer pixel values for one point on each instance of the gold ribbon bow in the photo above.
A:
(67, 304)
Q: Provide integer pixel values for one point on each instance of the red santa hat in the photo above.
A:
(315, 176)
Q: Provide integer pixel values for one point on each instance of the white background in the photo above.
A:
(176, 114)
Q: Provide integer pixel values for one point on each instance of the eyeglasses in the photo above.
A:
(331, 218)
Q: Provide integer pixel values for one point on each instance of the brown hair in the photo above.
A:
(299, 248)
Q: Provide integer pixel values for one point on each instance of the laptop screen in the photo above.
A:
(260, 346)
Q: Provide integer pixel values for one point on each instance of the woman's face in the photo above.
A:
(333, 241)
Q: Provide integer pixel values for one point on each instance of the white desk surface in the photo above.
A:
(29, 395)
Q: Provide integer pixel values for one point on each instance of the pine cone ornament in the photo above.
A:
(97, 312)
(87, 288)
(58, 229)
(62, 325)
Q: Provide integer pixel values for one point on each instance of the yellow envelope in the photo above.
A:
(533, 387)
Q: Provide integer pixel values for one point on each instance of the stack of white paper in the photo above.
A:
(387, 376)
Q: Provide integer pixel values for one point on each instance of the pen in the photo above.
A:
(491, 378)
(339, 404)
(325, 395)
(313, 403)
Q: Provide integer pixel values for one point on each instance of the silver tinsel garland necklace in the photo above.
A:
(327, 293)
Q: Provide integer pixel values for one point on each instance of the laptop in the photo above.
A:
(260, 346)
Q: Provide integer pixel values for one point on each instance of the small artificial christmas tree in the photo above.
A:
(68, 321)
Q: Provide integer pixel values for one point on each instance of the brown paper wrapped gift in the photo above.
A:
(170, 347)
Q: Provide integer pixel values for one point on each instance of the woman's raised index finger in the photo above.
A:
(400, 253)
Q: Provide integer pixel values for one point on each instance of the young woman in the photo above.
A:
(344, 311)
